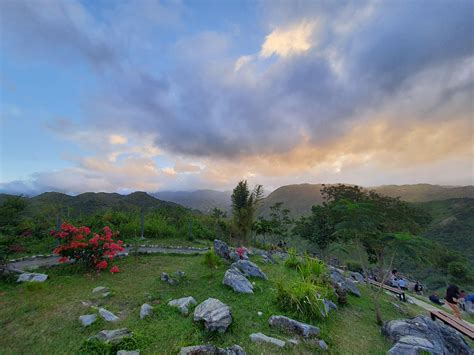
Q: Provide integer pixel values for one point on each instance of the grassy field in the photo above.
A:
(44, 319)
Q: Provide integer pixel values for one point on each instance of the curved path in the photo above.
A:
(51, 260)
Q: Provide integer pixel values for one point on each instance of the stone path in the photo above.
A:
(48, 261)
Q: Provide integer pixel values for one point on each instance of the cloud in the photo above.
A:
(290, 41)
(117, 139)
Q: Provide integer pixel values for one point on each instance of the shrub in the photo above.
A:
(94, 252)
(312, 269)
(355, 266)
(303, 298)
(97, 347)
(293, 260)
(211, 259)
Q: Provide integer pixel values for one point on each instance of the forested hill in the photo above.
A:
(202, 200)
(89, 203)
(299, 198)
(453, 224)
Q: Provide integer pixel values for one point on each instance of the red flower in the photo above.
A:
(114, 269)
(63, 259)
(102, 265)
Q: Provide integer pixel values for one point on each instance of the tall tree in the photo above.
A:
(280, 220)
(244, 208)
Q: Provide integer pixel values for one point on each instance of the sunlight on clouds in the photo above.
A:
(296, 39)
(169, 171)
(242, 61)
(117, 139)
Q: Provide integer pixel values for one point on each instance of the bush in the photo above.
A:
(97, 347)
(312, 269)
(293, 260)
(93, 252)
(211, 259)
(303, 298)
(355, 266)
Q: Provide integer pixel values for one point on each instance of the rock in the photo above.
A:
(322, 344)
(250, 269)
(345, 283)
(259, 314)
(100, 289)
(112, 336)
(292, 326)
(293, 342)
(412, 336)
(211, 350)
(237, 281)
(106, 294)
(215, 314)
(267, 259)
(328, 307)
(262, 338)
(32, 277)
(107, 315)
(183, 304)
(357, 276)
(221, 249)
(234, 256)
(145, 311)
(180, 274)
(166, 278)
(126, 352)
(88, 319)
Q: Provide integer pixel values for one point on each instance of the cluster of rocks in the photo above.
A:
(212, 350)
(421, 334)
(338, 279)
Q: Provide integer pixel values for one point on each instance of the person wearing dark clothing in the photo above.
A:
(452, 298)
(435, 299)
(418, 288)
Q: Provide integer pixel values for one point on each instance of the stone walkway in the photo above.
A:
(48, 261)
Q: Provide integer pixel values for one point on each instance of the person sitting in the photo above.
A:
(453, 296)
(418, 288)
(402, 284)
(435, 299)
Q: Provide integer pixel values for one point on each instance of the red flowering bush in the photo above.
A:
(241, 252)
(83, 246)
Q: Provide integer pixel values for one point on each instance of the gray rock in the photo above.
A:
(237, 281)
(183, 304)
(221, 249)
(107, 315)
(215, 314)
(166, 278)
(322, 344)
(234, 256)
(88, 319)
(180, 274)
(32, 277)
(112, 336)
(345, 283)
(262, 338)
(250, 269)
(421, 333)
(292, 326)
(100, 289)
(357, 276)
(145, 311)
(211, 350)
(328, 307)
(127, 352)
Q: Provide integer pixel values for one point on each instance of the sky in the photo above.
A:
(119, 96)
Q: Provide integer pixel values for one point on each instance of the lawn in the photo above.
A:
(44, 319)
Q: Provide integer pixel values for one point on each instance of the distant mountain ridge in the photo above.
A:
(202, 200)
(299, 198)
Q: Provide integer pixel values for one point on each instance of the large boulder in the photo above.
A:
(215, 314)
(221, 249)
(411, 336)
(112, 336)
(212, 350)
(293, 327)
(337, 278)
(250, 269)
(183, 304)
(262, 338)
(237, 281)
(32, 277)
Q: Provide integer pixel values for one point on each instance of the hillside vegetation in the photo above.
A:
(202, 200)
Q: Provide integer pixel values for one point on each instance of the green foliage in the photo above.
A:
(354, 266)
(459, 271)
(280, 220)
(312, 269)
(211, 259)
(303, 298)
(293, 261)
(244, 207)
(97, 347)
(318, 228)
(34, 286)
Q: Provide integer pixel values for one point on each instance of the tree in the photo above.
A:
(262, 227)
(280, 220)
(244, 208)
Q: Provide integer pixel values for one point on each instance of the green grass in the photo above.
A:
(44, 319)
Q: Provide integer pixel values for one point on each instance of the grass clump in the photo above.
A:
(211, 260)
(97, 347)
(293, 261)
